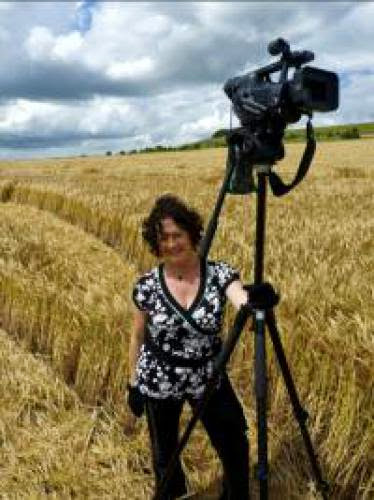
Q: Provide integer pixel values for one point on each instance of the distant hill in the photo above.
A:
(335, 132)
(326, 133)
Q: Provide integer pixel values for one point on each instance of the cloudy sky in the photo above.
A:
(88, 77)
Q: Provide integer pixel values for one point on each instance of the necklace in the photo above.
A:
(179, 275)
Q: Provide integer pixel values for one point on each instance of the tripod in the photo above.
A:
(262, 299)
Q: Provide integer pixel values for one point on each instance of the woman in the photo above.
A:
(177, 321)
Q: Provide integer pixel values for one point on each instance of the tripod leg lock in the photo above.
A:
(262, 296)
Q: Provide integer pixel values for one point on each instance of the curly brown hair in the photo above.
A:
(184, 216)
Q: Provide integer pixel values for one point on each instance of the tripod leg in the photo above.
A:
(299, 412)
(261, 400)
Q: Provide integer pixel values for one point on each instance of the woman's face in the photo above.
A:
(174, 242)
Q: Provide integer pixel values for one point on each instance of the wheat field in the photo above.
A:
(70, 250)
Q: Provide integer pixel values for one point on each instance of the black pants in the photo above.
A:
(225, 424)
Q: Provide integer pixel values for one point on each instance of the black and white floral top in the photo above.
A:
(184, 333)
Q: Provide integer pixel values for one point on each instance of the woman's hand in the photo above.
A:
(135, 400)
(237, 294)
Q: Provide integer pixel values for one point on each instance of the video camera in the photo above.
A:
(254, 95)
(265, 108)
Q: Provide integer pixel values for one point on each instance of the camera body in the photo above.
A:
(256, 97)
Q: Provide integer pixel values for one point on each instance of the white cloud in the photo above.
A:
(201, 127)
(347, 43)
(39, 44)
(130, 69)
(67, 47)
(42, 45)
(153, 72)
(101, 117)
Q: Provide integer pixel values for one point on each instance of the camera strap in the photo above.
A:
(278, 187)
